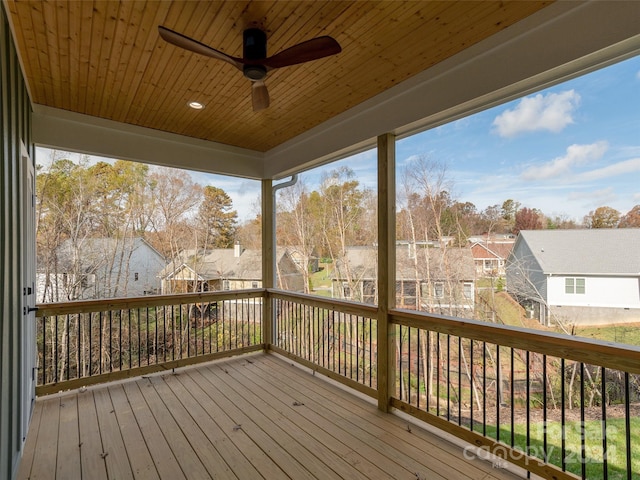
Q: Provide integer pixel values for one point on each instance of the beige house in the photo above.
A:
(440, 280)
(227, 269)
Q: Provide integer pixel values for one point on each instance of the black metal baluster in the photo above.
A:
(544, 410)
(459, 395)
(527, 407)
(583, 448)
(512, 396)
(603, 394)
(484, 389)
(110, 340)
(419, 348)
(627, 423)
(448, 377)
(498, 391)
(563, 428)
(471, 386)
(438, 374)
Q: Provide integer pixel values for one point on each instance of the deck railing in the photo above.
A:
(558, 406)
(86, 342)
(334, 337)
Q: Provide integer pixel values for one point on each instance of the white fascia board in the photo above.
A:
(559, 42)
(69, 131)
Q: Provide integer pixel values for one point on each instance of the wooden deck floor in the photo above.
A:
(248, 417)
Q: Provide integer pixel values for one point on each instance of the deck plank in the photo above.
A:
(243, 425)
(24, 470)
(94, 465)
(163, 457)
(139, 457)
(329, 401)
(338, 440)
(187, 459)
(68, 463)
(45, 458)
(314, 455)
(206, 451)
(239, 450)
(255, 416)
(391, 429)
(114, 452)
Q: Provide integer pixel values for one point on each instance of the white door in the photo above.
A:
(28, 236)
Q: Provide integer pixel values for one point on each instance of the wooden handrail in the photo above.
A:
(344, 306)
(86, 306)
(590, 351)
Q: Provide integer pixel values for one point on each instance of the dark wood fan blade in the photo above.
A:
(313, 49)
(192, 45)
(259, 95)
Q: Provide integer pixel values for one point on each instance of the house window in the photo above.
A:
(346, 290)
(467, 290)
(226, 285)
(135, 275)
(254, 284)
(574, 285)
(438, 290)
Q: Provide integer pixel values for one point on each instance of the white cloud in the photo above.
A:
(552, 112)
(576, 155)
(596, 197)
(621, 168)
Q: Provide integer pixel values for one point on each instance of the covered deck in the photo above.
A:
(252, 416)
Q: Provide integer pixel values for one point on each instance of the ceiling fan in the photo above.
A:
(254, 63)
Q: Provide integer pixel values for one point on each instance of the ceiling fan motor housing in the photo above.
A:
(254, 48)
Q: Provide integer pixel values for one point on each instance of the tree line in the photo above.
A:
(80, 201)
(119, 200)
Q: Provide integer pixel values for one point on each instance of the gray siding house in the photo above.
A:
(101, 268)
(434, 279)
(577, 277)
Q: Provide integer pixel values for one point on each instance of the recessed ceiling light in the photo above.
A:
(196, 105)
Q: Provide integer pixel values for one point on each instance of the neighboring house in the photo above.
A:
(227, 269)
(101, 268)
(301, 259)
(439, 280)
(583, 277)
(490, 256)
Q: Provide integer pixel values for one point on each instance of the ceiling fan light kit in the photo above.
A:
(254, 63)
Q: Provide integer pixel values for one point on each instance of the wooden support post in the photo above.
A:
(386, 268)
(268, 249)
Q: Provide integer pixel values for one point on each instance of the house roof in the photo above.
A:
(96, 252)
(103, 82)
(221, 263)
(434, 263)
(481, 250)
(584, 251)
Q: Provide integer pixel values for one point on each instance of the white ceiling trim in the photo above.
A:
(69, 131)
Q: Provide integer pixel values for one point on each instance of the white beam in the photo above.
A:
(61, 129)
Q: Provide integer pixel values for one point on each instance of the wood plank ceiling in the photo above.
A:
(106, 59)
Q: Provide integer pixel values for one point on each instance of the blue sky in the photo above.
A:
(565, 150)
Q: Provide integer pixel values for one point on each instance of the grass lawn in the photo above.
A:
(627, 333)
(616, 445)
